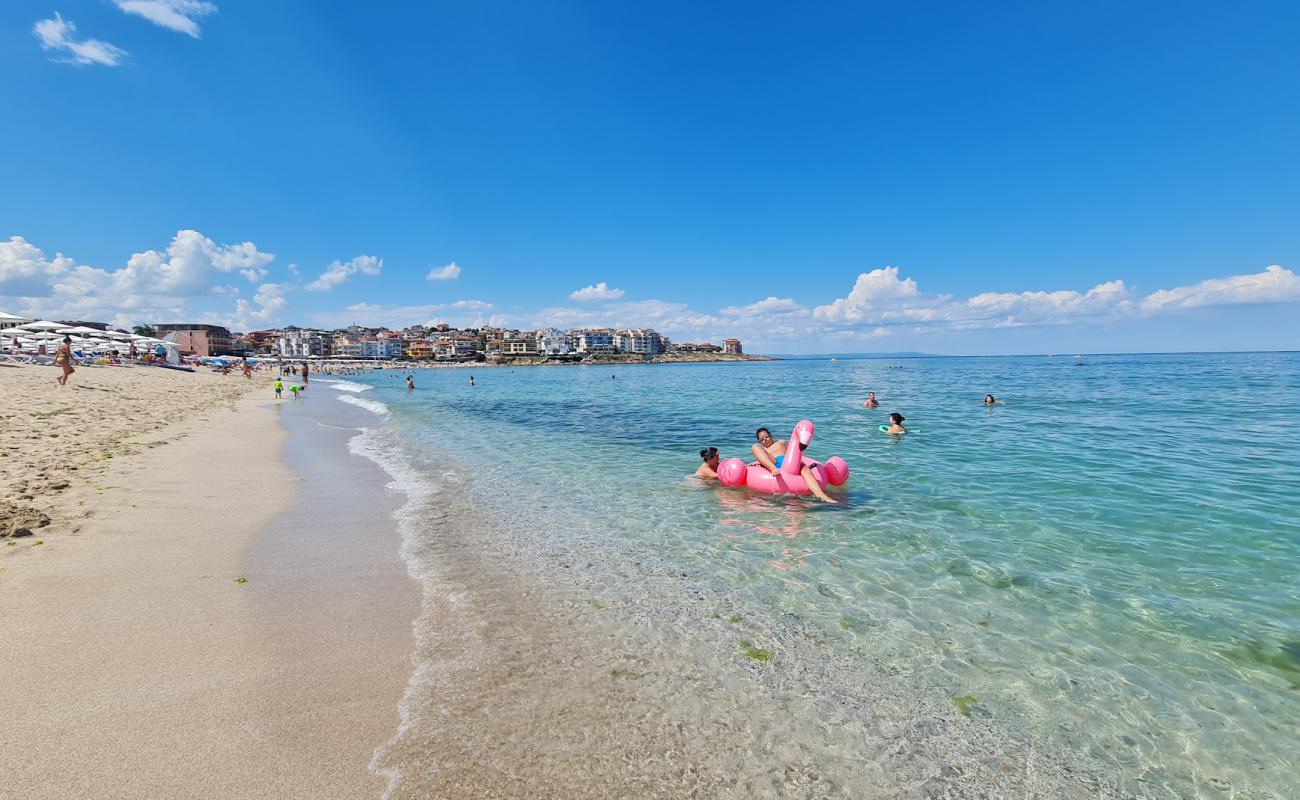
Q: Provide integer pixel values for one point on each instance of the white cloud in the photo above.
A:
(57, 34)
(267, 303)
(181, 16)
(448, 273)
(873, 293)
(152, 286)
(24, 269)
(1273, 285)
(466, 313)
(596, 293)
(339, 271)
(772, 305)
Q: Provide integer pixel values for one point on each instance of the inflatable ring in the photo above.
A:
(789, 477)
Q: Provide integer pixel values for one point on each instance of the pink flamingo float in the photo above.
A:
(789, 478)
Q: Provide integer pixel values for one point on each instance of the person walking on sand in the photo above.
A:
(63, 358)
(243, 365)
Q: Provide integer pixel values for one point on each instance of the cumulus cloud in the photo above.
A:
(153, 284)
(339, 271)
(596, 293)
(476, 305)
(448, 273)
(872, 294)
(58, 35)
(1274, 284)
(182, 16)
(24, 269)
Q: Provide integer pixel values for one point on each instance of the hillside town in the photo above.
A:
(438, 342)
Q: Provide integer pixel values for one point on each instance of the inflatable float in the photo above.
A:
(789, 480)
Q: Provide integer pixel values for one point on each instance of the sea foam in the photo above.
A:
(370, 405)
(349, 386)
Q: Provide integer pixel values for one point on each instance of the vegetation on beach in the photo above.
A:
(965, 703)
(756, 653)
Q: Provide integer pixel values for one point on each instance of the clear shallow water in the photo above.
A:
(1107, 564)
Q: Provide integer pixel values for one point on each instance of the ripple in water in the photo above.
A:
(1098, 574)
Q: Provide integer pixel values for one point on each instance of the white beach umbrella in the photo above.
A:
(43, 325)
(14, 332)
(82, 330)
(117, 335)
(11, 319)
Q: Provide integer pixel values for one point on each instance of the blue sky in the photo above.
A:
(949, 178)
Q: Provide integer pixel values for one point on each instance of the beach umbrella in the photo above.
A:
(10, 319)
(117, 335)
(14, 332)
(82, 330)
(43, 325)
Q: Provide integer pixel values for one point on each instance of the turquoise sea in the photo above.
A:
(1105, 569)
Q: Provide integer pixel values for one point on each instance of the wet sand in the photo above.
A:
(139, 665)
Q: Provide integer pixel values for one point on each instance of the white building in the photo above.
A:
(596, 341)
(642, 341)
(367, 347)
(300, 343)
(554, 342)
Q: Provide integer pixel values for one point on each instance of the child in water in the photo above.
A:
(295, 389)
(896, 424)
(279, 389)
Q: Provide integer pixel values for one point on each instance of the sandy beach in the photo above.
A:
(167, 633)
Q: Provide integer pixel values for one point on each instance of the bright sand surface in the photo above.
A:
(135, 664)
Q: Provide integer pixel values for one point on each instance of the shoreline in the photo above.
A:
(194, 636)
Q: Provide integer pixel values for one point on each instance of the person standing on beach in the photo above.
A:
(63, 358)
(279, 389)
(304, 375)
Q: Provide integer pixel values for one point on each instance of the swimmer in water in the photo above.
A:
(896, 424)
(990, 400)
(872, 402)
(471, 380)
(410, 382)
(711, 458)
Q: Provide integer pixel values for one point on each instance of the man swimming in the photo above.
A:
(872, 402)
